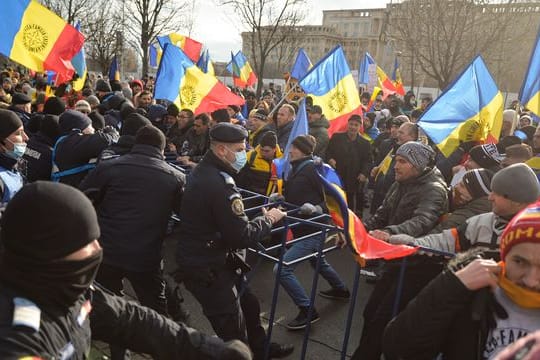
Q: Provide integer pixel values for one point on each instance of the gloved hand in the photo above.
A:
(401, 239)
(235, 350)
(275, 197)
(310, 209)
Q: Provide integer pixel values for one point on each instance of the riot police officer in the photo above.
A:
(213, 223)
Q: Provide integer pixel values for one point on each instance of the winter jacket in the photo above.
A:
(283, 134)
(255, 175)
(457, 217)
(412, 207)
(38, 157)
(319, 130)
(134, 195)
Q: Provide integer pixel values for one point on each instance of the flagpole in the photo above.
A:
(281, 101)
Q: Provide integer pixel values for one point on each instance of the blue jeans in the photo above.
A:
(291, 284)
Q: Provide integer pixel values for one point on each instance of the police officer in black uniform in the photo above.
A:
(213, 224)
(49, 308)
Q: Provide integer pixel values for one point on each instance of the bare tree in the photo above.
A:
(101, 33)
(269, 23)
(443, 36)
(149, 18)
(71, 10)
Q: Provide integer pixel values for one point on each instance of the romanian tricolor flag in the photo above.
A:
(79, 63)
(385, 164)
(363, 69)
(385, 83)
(181, 81)
(470, 109)
(205, 64)
(302, 65)
(396, 77)
(243, 74)
(37, 38)
(364, 246)
(529, 96)
(191, 48)
(331, 85)
(154, 55)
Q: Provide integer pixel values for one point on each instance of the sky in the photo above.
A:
(216, 28)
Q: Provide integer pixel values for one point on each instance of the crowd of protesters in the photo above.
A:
(130, 153)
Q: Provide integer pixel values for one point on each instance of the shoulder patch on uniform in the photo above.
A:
(237, 206)
(228, 178)
(26, 313)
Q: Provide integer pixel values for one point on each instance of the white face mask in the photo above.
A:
(18, 150)
(240, 159)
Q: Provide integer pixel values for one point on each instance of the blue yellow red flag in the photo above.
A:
(153, 55)
(300, 127)
(529, 96)
(396, 78)
(385, 83)
(205, 63)
(114, 69)
(363, 246)
(331, 86)
(239, 67)
(190, 47)
(470, 109)
(37, 38)
(179, 80)
(302, 64)
(363, 72)
(79, 63)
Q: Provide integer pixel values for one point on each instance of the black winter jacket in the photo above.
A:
(135, 194)
(412, 207)
(38, 157)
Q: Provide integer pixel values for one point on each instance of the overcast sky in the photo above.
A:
(216, 28)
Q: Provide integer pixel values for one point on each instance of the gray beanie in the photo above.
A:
(517, 182)
(418, 154)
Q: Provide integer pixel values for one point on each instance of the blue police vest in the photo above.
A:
(13, 182)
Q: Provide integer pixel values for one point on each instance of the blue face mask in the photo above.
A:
(18, 150)
(240, 159)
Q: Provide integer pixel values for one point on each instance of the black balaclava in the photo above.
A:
(63, 221)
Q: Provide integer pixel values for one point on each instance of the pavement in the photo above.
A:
(326, 336)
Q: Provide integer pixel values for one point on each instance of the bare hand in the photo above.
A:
(374, 171)
(274, 214)
(479, 274)
(183, 159)
(361, 178)
(380, 234)
(341, 242)
(332, 163)
(526, 348)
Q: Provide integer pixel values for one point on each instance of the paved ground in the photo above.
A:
(326, 337)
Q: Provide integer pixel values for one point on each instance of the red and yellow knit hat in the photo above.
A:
(523, 228)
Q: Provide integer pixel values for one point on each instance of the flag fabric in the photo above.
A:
(300, 127)
(179, 80)
(114, 69)
(396, 78)
(363, 69)
(385, 83)
(239, 67)
(374, 93)
(470, 109)
(153, 55)
(205, 64)
(331, 85)
(79, 64)
(37, 38)
(529, 96)
(385, 164)
(191, 48)
(364, 246)
(301, 66)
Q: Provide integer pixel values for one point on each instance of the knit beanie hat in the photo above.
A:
(92, 100)
(9, 122)
(156, 112)
(50, 127)
(269, 139)
(418, 154)
(260, 114)
(54, 106)
(102, 85)
(98, 121)
(150, 135)
(487, 155)
(133, 123)
(305, 143)
(83, 105)
(72, 119)
(63, 221)
(517, 182)
(478, 182)
(523, 228)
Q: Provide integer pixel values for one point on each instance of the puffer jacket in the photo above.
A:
(319, 130)
(412, 207)
(457, 217)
